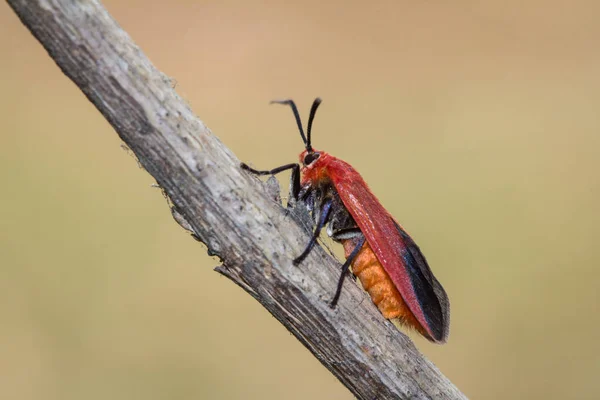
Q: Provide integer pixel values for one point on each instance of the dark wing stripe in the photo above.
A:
(430, 293)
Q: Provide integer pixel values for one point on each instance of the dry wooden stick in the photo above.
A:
(229, 210)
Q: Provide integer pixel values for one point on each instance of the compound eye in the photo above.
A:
(310, 158)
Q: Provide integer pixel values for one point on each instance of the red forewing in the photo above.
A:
(395, 249)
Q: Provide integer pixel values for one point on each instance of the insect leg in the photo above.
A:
(295, 182)
(274, 170)
(323, 219)
(345, 268)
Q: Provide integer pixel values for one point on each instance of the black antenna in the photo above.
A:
(313, 110)
(296, 115)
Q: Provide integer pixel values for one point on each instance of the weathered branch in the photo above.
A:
(227, 209)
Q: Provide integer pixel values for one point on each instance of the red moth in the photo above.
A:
(382, 255)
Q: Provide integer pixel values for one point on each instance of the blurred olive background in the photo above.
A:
(477, 126)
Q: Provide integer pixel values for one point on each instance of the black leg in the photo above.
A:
(274, 170)
(345, 268)
(295, 183)
(324, 218)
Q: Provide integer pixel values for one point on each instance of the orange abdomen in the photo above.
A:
(380, 287)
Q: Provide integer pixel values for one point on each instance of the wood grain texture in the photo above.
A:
(230, 211)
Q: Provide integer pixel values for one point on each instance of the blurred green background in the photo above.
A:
(475, 123)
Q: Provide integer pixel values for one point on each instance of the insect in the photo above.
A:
(381, 254)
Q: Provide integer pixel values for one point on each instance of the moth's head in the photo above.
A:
(310, 158)
(314, 166)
